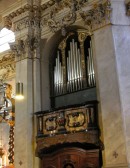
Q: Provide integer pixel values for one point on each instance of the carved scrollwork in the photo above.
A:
(98, 16)
(31, 43)
(57, 14)
(82, 35)
(66, 20)
(19, 48)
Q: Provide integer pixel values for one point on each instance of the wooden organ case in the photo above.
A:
(68, 135)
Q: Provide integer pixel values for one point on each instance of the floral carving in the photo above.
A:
(57, 14)
(18, 48)
(65, 21)
(98, 16)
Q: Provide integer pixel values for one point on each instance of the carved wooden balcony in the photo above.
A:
(67, 125)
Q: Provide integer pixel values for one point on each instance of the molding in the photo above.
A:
(82, 137)
(57, 15)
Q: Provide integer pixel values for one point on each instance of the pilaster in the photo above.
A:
(27, 51)
(113, 77)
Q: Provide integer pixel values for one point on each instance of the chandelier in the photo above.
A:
(5, 101)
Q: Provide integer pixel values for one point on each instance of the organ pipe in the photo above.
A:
(73, 69)
(58, 76)
(90, 67)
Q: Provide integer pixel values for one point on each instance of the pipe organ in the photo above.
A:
(74, 68)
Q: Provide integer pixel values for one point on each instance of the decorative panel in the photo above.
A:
(66, 120)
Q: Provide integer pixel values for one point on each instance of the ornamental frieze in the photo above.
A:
(55, 22)
(58, 15)
(98, 16)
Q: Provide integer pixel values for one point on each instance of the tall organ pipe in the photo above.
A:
(58, 76)
(91, 76)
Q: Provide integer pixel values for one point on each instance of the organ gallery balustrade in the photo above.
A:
(68, 125)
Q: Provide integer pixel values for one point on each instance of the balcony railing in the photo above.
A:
(67, 120)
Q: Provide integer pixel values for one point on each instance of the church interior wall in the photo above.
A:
(111, 53)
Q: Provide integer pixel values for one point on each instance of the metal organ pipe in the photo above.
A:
(58, 76)
(93, 73)
(90, 67)
(74, 70)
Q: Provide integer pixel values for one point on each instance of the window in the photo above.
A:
(6, 37)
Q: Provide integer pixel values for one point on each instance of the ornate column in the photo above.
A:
(11, 123)
(24, 26)
(36, 72)
(81, 37)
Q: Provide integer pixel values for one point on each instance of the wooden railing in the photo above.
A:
(67, 120)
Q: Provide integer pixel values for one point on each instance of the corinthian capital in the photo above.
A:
(18, 48)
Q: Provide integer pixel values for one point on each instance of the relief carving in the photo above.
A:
(66, 20)
(7, 67)
(98, 16)
(58, 15)
(18, 48)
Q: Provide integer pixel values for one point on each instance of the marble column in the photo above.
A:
(112, 48)
(36, 75)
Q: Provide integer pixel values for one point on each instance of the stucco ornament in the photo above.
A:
(98, 15)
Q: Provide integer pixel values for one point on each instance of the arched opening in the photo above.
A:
(72, 71)
(69, 82)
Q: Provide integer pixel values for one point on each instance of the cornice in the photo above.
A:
(94, 14)
(58, 15)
